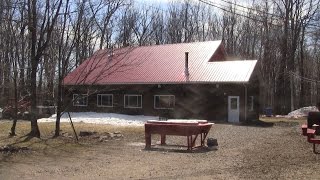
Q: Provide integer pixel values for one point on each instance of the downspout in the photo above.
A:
(186, 66)
(245, 101)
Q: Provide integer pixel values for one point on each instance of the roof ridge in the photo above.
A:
(157, 45)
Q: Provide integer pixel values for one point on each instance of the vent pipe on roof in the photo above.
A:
(110, 53)
(186, 69)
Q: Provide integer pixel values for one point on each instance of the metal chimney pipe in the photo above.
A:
(186, 69)
(110, 53)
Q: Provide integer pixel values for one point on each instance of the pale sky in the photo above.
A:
(241, 2)
(155, 1)
(166, 1)
(160, 2)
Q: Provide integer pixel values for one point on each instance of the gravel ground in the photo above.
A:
(244, 152)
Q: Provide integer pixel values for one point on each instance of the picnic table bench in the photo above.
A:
(304, 129)
(190, 128)
(311, 129)
(311, 134)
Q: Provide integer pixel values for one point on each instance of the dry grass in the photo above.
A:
(48, 143)
(281, 119)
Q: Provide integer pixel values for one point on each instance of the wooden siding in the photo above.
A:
(201, 101)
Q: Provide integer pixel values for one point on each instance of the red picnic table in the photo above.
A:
(190, 128)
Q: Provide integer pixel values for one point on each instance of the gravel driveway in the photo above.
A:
(245, 152)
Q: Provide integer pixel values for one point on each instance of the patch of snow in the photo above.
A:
(280, 116)
(102, 118)
(302, 112)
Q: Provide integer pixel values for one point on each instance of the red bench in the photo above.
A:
(191, 129)
(311, 129)
(311, 139)
(304, 128)
(310, 134)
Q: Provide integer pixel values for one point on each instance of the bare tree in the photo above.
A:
(175, 23)
(104, 24)
(158, 27)
(39, 40)
(126, 27)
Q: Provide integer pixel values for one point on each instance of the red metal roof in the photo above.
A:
(160, 64)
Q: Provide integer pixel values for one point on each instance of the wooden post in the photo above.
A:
(163, 139)
(291, 92)
(148, 140)
(74, 131)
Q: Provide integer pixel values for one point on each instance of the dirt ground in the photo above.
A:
(267, 151)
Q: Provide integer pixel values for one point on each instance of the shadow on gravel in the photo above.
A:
(5, 138)
(286, 124)
(254, 123)
(262, 124)
(178, 149)
(258, 123)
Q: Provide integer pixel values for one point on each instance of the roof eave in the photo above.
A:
(141, 83)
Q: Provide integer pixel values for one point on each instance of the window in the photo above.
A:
(164, 101)
(80, 100)
(250, 103)
(132, 101)
(234, 104)
(105, 100)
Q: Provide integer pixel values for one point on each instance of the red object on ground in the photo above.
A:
(9, 109)
(304, 128)
(310, 134)
(190, 129)
(312, 139)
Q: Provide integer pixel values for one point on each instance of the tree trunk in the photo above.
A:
(59, 108)
(15, 119)
(303, 92)
(34, 64)
(33, 115)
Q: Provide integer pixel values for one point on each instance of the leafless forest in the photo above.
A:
(42, 40)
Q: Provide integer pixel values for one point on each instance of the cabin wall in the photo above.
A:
(200, 101)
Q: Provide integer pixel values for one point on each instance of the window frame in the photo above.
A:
(132, 95)
(101, 100)
(251, 98)
(77, 105)
(158, 95)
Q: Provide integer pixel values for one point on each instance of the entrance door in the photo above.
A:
(233, 109)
